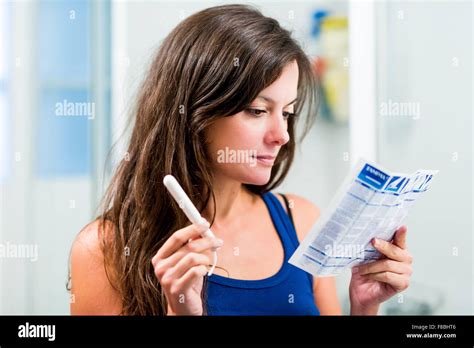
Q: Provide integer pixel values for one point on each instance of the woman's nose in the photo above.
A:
(278, 130)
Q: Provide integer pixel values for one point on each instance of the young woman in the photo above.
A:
(227, 80)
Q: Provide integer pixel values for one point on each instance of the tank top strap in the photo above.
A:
(278, 213)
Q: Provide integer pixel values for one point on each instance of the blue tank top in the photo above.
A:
(288, 292)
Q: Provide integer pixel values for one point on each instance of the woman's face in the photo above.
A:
(244, 146)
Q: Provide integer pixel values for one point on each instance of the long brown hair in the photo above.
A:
(212, 65)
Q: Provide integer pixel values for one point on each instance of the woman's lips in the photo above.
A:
(266, 160)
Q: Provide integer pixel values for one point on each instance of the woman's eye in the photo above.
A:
(256, 112)
(287, 114)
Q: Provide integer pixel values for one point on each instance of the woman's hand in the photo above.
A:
(375, 282)
(180, 265)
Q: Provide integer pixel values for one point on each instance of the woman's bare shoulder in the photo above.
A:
(305, 213)
(91, 290)
(89, 238)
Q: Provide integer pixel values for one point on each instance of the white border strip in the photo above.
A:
(362, 81)
(120, 62)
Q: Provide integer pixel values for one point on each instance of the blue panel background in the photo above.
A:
(64, 144)
(64, 58)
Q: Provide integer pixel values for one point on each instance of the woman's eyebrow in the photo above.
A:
(268, 99)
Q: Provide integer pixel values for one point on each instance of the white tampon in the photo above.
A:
(189, 209)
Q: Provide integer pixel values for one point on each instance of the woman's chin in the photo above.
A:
(258, 177)
(250, 175)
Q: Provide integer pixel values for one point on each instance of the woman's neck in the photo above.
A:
(232, 200)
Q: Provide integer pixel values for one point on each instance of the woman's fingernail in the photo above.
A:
(375, 242)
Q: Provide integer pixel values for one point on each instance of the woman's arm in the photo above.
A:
(91, 291)
(325, 296)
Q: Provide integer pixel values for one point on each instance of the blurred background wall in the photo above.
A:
(396, 88)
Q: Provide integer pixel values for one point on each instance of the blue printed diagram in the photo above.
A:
(371, 203)
(373, 176)
(396, 184)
